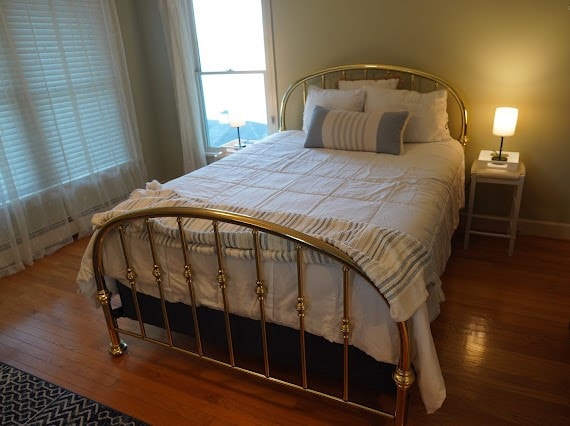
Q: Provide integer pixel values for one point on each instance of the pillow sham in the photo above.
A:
(428, 121)
(380, 132)
(390, 83)
(346, 100)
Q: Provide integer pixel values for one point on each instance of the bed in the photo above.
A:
(328, 239)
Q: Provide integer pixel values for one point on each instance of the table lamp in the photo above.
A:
(237, 123)
(504, 125)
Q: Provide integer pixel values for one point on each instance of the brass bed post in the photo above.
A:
(116, 345)
(404, 375)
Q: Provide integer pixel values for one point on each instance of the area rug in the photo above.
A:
(29, 400)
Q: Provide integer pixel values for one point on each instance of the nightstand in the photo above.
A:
(514, 178)
(232, 146)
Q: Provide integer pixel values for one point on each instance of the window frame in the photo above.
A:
(268, 74)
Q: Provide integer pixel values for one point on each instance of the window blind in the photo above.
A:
(60, 112)
(69, 144)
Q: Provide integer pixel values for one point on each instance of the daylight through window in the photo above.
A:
(233, 70)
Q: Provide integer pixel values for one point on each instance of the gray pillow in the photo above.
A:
(357, 131)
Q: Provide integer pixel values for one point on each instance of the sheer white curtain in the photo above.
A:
(68, 136)
(176, 19)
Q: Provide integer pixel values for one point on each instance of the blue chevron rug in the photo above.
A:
(28, 400)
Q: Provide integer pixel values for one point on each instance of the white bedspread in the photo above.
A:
(418, 194)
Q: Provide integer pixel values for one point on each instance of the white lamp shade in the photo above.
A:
(237, 123)
(505, 121)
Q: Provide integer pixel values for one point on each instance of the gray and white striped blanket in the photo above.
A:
(395, 262)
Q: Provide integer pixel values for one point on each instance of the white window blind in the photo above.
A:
(68, 140)
(60, 116)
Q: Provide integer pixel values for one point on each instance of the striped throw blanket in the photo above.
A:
(396, 263)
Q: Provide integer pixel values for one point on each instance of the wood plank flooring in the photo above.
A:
(502, 339)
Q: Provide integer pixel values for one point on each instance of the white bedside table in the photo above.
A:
(514, 178)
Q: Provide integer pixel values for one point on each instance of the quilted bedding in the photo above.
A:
(357, 201)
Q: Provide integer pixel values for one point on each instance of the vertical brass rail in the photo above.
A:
(131, 278)
(403, 375)
(222, 281)
(260, 292)
(156, 272)
(301, 308)
(190, 283)
(345, 328)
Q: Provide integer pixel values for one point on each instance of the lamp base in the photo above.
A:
(490, 159)
(233, 146)
(502, 157)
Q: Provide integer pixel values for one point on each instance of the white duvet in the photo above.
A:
(418, 193)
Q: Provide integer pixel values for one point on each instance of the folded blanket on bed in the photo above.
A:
(396, 263)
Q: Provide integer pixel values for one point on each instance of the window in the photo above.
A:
(60, 112)
(235, 58)
(68, 137)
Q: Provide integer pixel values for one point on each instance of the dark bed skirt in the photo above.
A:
(324, 358)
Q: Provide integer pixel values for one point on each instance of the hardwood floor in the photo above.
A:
(502, 339)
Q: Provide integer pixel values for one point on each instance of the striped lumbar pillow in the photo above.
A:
(357, 131)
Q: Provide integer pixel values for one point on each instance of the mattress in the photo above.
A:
(418, 194)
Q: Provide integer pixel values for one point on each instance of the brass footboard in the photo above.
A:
(148, 220)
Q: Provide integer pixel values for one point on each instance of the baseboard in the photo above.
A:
(536, 228)
(559, 231)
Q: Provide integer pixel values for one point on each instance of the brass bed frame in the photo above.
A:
(410, 79)
(403, 374)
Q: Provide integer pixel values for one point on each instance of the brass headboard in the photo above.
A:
(294, 97)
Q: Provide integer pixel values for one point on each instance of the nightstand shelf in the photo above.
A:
(513, 178)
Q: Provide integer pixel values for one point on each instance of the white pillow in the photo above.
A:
(428, 122)
(380, 132)
(345, 100)
(391, 83)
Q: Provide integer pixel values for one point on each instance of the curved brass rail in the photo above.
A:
(344, 71)
(403, 375)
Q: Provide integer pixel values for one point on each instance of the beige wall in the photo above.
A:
(507, 52)
(153, 91)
